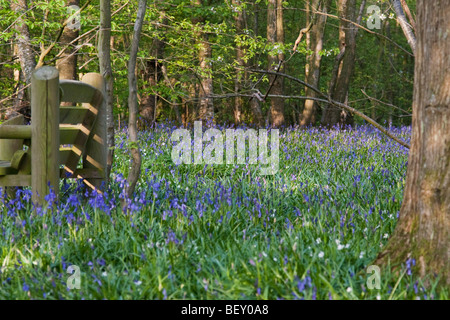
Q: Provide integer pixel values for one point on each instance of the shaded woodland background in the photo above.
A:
(206, 59)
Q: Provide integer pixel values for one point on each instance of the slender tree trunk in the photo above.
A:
(275, 36)
(424, 223)
(135, 169)
(206, 106)
(152, 76)
(390, 93)
(206, 90)
(67, 64)
(241, 64)
(104, 55)
(26, 54)
(347, 44)
(406, 27)
(408, 14)
(255, 105)
(314, 42)
(21, 104)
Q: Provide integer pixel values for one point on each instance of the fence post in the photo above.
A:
(44, 133)
(96, 150)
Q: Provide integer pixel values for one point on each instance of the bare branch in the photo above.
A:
(337, 104)
(385, 103)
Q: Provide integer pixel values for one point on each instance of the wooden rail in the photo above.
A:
(64, 141)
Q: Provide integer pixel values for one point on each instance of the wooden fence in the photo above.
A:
(63, 141)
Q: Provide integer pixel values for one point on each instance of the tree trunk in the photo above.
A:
(255, 105)
(67, 64)
(347, 44)
(135, 169)
(152, 76)
(26, 53)
(21, 105)
(406, 27)
(241, 64)
(104, 55)
(314, 42)
(206, 106)
(275, 36)
(206, 90)
(408, 14)
(422, 229)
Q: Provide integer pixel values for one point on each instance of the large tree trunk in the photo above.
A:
(314, 42)
(422, 229)
(104, 55)
(67, 64)
(135, 169)
(275, 36)
(347, 41)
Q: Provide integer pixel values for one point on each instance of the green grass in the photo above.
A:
(308, 232)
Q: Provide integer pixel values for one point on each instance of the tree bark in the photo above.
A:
(26, 54)
(406, 27)
(104, 55)
(408, 14)
(314, 42)
(241, 64)
(347, 44)
(206, 105)
(21, 105)
(275, 36)
(67, 64)
(255, 106)
(422, 229)
(152, 75)
(206, 90)
(135, 169)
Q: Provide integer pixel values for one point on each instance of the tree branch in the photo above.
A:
(45, 52)
(336, 103)
(406, 27)
(368, 30)
(408, 13)
(385, 103)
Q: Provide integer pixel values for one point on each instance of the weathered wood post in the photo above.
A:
(44, 132)
(9, 146)
(96, 151)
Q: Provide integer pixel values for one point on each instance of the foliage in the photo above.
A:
(308, 232)
(382, 70)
